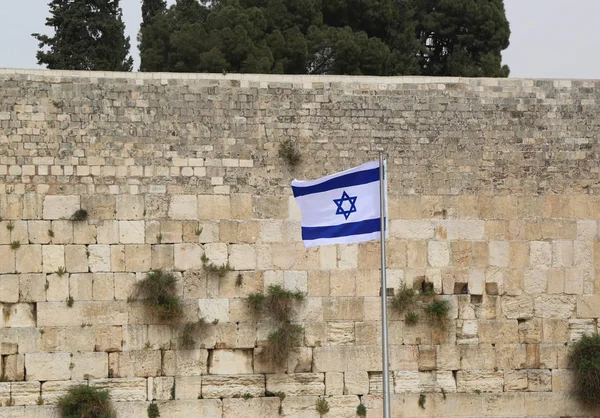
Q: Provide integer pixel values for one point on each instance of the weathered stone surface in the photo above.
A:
(223, 386)
(48, 366)
(52, 390)
(60, 207)
(259, 407)
(229, 362)
(297, 384)
(185, 362)
(123, 389)
(484, 381)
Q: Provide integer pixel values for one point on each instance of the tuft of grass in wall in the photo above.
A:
(86, 401)
(361, 410)
(247, 396)
(437, 311)
(15, 245)
(10, 225)
(289, 152)
(322, 406)
(61, 271)
(51, 233)
(153, 411)
(422, 400)
(198, 231)
(212, 268)
(404, 299)
(79, 215)
(411, 319)
(278, 303)
(10, 401)
(239, 280)
(281, 342)
(40, 400)
(158, 290)
(70, 301)
(159, 238)
(584, 359)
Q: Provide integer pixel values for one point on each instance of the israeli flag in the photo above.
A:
(341, 208)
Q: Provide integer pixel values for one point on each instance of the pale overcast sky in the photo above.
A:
(549, 38)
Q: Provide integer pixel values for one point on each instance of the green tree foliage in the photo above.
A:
(373, 37)
(463, 37)
(89, 35)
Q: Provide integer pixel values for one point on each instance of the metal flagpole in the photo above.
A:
(384, 323)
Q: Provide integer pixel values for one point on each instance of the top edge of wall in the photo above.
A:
(287, 78)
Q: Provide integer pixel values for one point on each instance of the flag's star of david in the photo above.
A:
(340, 205)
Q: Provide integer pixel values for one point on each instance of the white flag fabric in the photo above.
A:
(340, 208)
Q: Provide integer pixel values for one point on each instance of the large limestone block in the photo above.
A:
(208, 408)
(84, 233)
(231, 362)
(188, 387)
(562, 253)
(7, 255)
(356, 383)
(76, 259)
(499, 253)
(123, 389)
(498, 331)
(9, 288)
(304, 406)
(60, 207)
(214, 310)
(183, 207)
(17, 315)
(29, 259)
(48, 366)
(481, 380)
(340, 333)
(99, 207)
(32, 206)
(334, 383)
(25, 393)
(257, 407)
(130, 207)
(32, 288)
(108, 232)
(99, 259)
(187, 256)
(223, 386)
(89, 365)
(411, 229)
(138, 258)
(588, 306)
(63, 232)
(131, 232)
(185, 362)
(518, 307)
(53, 258)
(212, 207)
(38, 232)
(58, 287)
(161, 388)
(297, 384)
(438, 254)
(52, 390)
(343, 308)
(141, 363)
(242, 257)
(554, 306)
(535, 280)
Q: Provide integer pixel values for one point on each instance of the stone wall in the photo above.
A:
(494, 200)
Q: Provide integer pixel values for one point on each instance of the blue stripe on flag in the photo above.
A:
(347, 180)
(350, 228)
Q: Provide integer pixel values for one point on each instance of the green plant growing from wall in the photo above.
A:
(212, 268)
(61, 271)
(79, 215)
(10, 225)
(422, 400)
(84, 401)
(409, 301)
(279, 304)
(322, 406)
(361, 410)
(158, 292)
(153, 411)
(584, 360)
(289, 152)
(15, 245)
(191, 332)
(70, 301)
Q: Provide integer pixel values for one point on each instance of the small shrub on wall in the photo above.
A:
(86, 402)
(584, 359)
